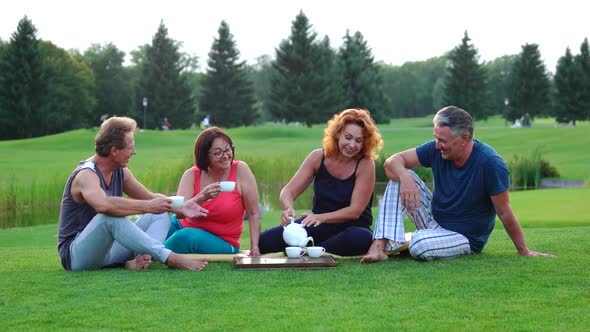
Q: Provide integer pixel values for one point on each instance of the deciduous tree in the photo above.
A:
(113, 91)
(68, 94)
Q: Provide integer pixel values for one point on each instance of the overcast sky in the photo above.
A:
(397, 31)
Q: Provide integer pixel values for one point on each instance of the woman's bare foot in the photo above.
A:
(177, 261)
(376, 252)
(140, 262)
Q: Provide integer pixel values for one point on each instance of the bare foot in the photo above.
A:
(376, 252)
(177, 261)
(141, 262)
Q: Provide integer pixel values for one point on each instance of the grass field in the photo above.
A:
(32, 172)
(496, 290)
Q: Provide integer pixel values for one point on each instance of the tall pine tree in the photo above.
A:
(583, 61)
(162, 83)
(465, 83)
(362, 81)
(20, 84)
(529, 85)
(302, 78)
(567, 89)
(227, 93)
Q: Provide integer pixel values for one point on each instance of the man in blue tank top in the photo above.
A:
(94, 231)
(471, 184)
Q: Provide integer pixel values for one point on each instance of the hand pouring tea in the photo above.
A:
(295, 235)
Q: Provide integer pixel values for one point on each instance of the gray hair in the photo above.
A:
(458, 120)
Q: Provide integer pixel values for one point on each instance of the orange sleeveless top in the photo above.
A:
(226, 211)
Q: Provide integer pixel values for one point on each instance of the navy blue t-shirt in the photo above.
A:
(462, 196)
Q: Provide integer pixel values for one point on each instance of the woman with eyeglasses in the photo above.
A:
(343, 176)
(220, 230)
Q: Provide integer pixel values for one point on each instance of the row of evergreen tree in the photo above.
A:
(45, 89)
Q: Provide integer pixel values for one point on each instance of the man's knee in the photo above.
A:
(108, 220)
(419, 247)
(162, 218)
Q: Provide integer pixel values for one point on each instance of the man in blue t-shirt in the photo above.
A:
(471, 184)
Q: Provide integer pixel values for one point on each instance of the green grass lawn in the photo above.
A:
(496, 290)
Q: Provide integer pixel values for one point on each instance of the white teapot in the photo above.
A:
(295, 235)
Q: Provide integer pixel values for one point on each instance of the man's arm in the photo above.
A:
(396, 168)
(501, 203)
(398, 165)
(136, 189)
(86, 188)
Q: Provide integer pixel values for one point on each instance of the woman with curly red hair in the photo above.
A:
(343, 175)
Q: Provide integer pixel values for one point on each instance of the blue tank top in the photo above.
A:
(74, 217)
(332, 194)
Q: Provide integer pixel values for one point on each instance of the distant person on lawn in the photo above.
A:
(471, 183)
(93, 229)
(343, 177)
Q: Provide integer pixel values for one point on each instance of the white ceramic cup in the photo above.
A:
(177, 201)
(227, 186)
(315, 251)
(294, 252)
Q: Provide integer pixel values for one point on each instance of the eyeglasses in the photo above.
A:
(219, 153)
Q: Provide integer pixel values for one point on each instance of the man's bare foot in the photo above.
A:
(140, 262)
(177, 261)
(376, 252)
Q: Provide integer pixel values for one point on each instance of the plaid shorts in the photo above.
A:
(430, 241)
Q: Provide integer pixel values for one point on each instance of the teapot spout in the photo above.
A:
(305, 241)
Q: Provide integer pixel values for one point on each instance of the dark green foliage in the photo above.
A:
(68, 94)
(261, 74)
(526, 171)
(568, 87)
(301, 83)
(162, 83)
(327, 83)
(465, 84)
(113, 89)
(583, 62)
(414, 89)
(227, 95)
(529, 85)
(43, 89)
(21, 69)
(499, 73)
(362, 81)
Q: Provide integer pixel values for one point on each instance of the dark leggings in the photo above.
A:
(349, 241)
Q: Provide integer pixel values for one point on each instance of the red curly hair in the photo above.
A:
(372, 142)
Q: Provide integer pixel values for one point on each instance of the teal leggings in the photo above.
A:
(195, 241)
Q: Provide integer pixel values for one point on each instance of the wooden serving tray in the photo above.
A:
(303, 262)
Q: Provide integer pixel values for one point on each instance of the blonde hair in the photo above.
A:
(372, 141)
(112, 133)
